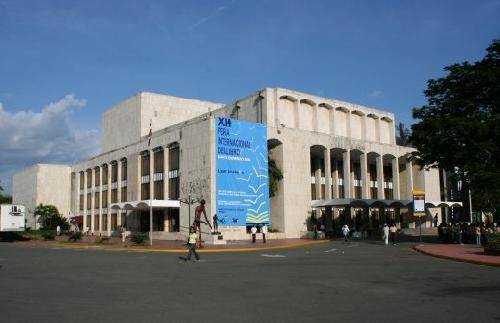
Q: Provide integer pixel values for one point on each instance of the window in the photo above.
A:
(124, 169)
(89, 201)
(105, 199)
(145, 163)
(81, 202)
(105, 174)
(89, 178)
(158, 161)
(104, 222)
(96, 200)
(114, 196)
(114, 172)
(82, 180)
(97, 175)
(124, 194)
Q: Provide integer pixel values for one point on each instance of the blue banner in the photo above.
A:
(242, 174)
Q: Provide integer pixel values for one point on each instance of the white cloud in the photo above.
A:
(375, 94)
(28, 137)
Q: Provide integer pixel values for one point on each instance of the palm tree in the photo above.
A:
(275, 175)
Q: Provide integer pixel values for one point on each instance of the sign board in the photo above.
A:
(242, 187)
(419, 203)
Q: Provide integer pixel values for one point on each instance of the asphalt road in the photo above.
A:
(333, 282)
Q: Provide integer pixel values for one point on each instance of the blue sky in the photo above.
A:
(84, 56)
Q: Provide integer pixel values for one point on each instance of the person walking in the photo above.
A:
(385, 234)
(191, 243)
(393, 230)
(478, 235)
(58, 230)
(253, 230)
(216, 223)
(123, 233)
(263, 229)
(345, 232)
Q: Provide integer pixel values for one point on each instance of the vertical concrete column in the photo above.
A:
(139, 176)
(364, 175)
(166, 167)
(315, 117)
(348, 125)
(409, 179)
(77, 194)
(395, 179)
(346, 157)
(118, 219)
(335, 180)
(296, 114)
(377, 126)
(328, 174)
(151, 175)
(119, 181)
(85, 224)
(365, 128)
(100, 199)
(351, 181)
(380, 177)
(332, 124)
(92, 201)
(317, 177)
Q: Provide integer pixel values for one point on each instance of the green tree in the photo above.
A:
(403, 135)
(49, 217)
(459, 127)
(275, 175)
(4, 199)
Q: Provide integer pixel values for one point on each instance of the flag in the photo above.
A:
(150, 133)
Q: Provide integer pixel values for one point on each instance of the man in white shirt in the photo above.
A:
(345, 232)
(253, 230)
(263, 229)
(385, 234)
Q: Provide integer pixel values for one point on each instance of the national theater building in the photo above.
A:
(340, 164)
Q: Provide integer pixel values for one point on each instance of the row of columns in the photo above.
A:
(331, 177)
(332, 119)
(151, 174)
(99, 189)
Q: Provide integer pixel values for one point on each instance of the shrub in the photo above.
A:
(138, 238)
(102, 240)
(75, 236)
(48, 235)
(13, 236)
(272, 230)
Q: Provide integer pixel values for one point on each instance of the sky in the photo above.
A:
(63, 63)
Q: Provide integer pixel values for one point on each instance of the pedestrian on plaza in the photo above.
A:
(345, 232)
(123, 233)
(216, 223)
(435, 220)
(385, 234)
(253, 230)
(315, 231)
(263, 229)
(393, 230)
(478, 235)
(191, 243)
(58, 230)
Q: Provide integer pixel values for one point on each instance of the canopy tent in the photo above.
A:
(360, 203)
(145, 204)
(377, 203)
(442, 203)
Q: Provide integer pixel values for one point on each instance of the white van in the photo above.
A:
(12, 217)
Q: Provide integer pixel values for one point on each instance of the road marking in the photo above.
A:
(354, 245)
(331, 250)
(272, 256)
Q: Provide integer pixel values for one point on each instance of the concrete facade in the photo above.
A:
(43, 183)
(314, 140)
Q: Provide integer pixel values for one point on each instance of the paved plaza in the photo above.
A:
(359, 281)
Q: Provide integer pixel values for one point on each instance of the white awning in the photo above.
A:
(442, 203)
(145, 204)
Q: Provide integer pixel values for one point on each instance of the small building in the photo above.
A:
(339, 160)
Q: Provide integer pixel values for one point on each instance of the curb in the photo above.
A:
(176, 250)
(470, 261)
